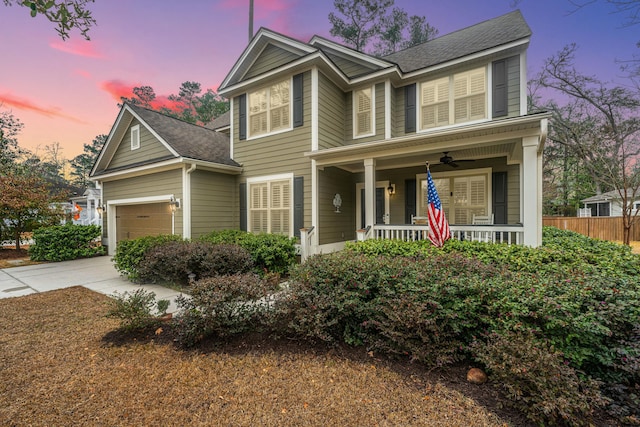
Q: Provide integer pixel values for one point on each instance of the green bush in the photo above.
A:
(129, 253)
(66, 242)
(222, 306)
(136, 310)
(176, 261)
(536, 379)
(270, 252)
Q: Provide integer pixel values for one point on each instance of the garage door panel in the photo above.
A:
(134, 221)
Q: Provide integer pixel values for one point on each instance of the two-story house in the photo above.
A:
(334, 142)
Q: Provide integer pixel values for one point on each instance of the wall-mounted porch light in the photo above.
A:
(174, 204)
(391, 189)
(101, 209)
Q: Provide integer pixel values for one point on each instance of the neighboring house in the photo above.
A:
(334, 142)
(86, 209)
(610, 203)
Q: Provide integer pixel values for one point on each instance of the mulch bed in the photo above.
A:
(63, 363)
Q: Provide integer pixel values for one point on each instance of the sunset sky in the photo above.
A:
(67, 91)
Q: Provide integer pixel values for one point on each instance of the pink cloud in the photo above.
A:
(119, 89)
(77, 47)
(28, 105)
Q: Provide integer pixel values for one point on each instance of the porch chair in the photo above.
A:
(482, 236)
(419, 220)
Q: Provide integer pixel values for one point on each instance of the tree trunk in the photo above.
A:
(17, 237)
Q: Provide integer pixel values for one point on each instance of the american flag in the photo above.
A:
(439, 230)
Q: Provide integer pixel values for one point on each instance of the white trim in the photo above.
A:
(135, 142)
(314, 202)
(186, 199)
(354, 111)
(267, 179)
(111, 214)
(387, 109)
(268, 111)
(315, 99)
(231, 128)
(168, 165)
(489, 89)
(330, 247)
(523, 83)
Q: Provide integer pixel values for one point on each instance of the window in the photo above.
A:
(599, 209)
(269, 109)
(456, 99)
(462, 196)
(363, 118)
(135, 137)
(270, 206)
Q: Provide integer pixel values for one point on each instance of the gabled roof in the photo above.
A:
(222, 121)
(182, 139)
(477, 38)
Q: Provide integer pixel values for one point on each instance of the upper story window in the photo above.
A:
(135, 137)
(459, 98)
(363, 112)
(269, 109)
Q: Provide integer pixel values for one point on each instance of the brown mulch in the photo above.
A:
(11, 257)
(63, 363)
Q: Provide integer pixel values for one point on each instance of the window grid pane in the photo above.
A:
(269, 109)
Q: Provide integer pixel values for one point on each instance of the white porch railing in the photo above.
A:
(505, 233)
(306, 239)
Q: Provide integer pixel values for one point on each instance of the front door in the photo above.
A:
(380, 206)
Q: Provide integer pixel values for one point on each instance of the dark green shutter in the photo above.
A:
(243, 206)
(410, 108)
(298, 205)
(410, 200)
(499, 184)
(242, 116)
(298, 109)
(499, 77)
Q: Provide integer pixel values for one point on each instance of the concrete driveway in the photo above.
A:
(97, 274)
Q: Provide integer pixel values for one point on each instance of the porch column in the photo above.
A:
(369, 192)
(531, 191)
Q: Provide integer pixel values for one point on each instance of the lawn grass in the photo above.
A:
(63, 363)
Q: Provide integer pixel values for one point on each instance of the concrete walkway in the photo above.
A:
(97, 274)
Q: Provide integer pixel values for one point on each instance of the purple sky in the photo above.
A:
(67, 92)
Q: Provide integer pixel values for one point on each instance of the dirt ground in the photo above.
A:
(64, 363)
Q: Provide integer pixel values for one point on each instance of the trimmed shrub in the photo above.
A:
(222, 306)
(129, 253)
(176, 261)
(537, 380)
(270, 252)
(136, 310)
(66, 242)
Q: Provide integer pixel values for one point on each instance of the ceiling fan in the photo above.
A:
(448, 160)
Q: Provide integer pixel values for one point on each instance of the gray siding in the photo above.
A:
(161, 183)
(513, 86)
(213, 202)
(513, 194)
(393, 108)
(271, 57)
(336, 227)
(150, 148)
(283, 152)
(331, 113)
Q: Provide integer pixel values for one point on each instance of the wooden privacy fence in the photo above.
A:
(605, 228)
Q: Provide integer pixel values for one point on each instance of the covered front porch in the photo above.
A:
(377, 190)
